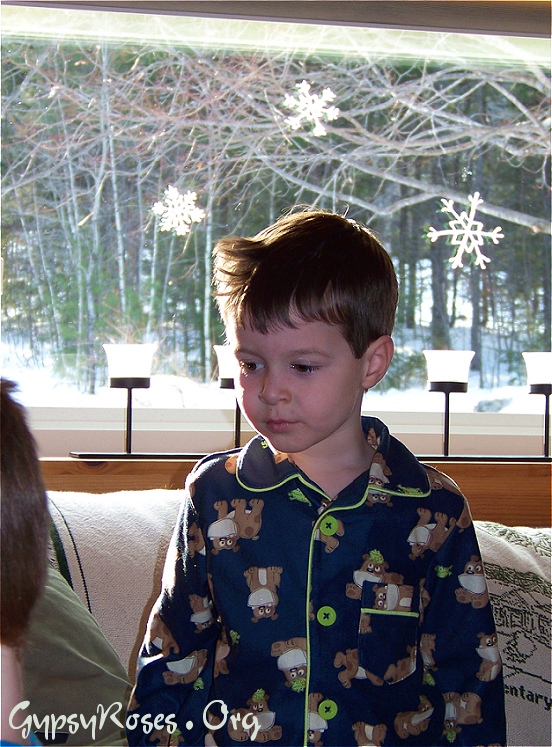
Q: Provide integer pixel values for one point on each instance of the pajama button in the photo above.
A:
(326, 616)
(327, 709)
(329, 525)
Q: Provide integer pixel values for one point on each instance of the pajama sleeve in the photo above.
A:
(175, 665)
(459, 644)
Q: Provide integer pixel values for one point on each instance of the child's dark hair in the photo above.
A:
(314, 265)
(25, 521)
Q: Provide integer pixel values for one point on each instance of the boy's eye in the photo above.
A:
(248, 367)
(304, 368)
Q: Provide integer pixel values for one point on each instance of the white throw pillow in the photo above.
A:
(517, 566)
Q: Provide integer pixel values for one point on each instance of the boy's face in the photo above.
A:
(302, 387)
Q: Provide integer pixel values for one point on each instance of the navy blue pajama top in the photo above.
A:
(289, 618)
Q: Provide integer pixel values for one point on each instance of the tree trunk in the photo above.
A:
(440, 333)
(475, 333)
(108, 132)
(207, 289)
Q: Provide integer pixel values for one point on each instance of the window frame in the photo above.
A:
(504, 17)
(59, 430)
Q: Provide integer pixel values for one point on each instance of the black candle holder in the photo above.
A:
(129, 367)
(447, 387)
(226, 383)
(546, 390)
(226, 364)
(129, 383)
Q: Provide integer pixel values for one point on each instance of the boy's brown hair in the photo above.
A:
(25, 521)
(316, 265)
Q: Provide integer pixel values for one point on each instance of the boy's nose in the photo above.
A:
(272, 390)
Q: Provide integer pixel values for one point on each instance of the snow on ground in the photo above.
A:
(38, 388)
(508, 399)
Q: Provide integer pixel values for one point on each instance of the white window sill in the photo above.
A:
(59, 431)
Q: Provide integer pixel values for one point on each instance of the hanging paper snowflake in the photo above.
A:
(178, 211)
(466, 233)
(311, 107)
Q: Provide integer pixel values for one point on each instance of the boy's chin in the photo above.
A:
(286, 445)
(278, 442)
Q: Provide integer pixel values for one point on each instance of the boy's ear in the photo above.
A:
(378, 357)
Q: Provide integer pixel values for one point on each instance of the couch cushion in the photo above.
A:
(517, 566)
(114, 546)
(116, 561)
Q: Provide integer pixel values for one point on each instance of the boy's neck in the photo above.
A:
(334, 472)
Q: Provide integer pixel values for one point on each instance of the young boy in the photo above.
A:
(323, 587)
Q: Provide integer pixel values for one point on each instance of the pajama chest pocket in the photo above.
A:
(388, 631)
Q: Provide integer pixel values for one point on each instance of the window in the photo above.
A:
(114, 123)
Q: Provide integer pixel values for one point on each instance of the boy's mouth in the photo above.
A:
(278, 426)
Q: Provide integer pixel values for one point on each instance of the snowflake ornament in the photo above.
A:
(466, 233)
(311, 107)
(178, 211)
